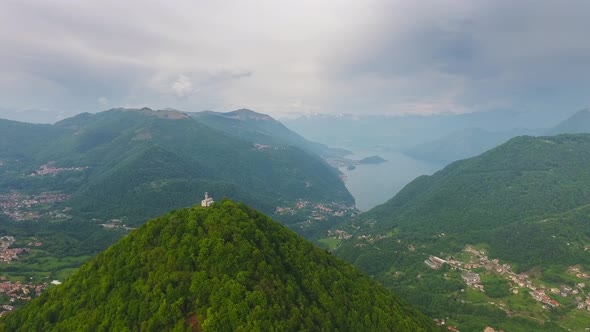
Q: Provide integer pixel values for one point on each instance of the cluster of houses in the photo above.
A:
(339, 234)
(285, 210)
(319, 211)
(8, 254)
(18, 291)
(15, 205)
(472, 279)
(50, 169)
(576, 270)
(115, 224)
(434, 262)
(540, 293)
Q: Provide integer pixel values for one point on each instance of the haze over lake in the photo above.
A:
(373, 184)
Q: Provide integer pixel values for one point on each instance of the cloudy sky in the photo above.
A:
(294, 57)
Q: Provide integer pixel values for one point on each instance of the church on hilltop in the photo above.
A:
(207, 201)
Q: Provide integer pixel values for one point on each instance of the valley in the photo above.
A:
(373, 184)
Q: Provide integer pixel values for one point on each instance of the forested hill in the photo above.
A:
(222, 268)
(523, 178)
(137, 163)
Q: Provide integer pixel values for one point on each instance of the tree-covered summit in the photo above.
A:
(222, 268)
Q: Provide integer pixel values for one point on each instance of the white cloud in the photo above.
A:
(103, 101)
(182, 87)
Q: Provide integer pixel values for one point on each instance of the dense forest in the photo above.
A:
(222, 268)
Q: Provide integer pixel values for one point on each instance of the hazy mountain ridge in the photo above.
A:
(577, 123)
(262, 129)
(464, 144)
(470, 142)
(401, 133)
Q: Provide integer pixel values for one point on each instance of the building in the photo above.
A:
(471, 278)
(434, 262)
(207, 201)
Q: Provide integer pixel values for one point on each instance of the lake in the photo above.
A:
(374, 184)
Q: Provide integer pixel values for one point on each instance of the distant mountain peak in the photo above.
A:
(167, 113)
(579, 122)
(246, 114)
(583, 112)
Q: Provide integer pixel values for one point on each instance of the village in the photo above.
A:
(20, 207)
(8, 254)
(319, 211)
(50, 169)
(14, 293)
(114, 224)
(517, 281)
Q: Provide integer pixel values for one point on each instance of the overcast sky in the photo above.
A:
(292, 57)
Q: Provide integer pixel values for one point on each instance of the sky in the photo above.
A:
(287, 58)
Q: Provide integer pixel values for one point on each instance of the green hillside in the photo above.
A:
(223, 268)
(525, 177)
(525, 203)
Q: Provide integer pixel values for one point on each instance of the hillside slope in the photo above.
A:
(525, 177)
(223, 268)
(137, 163)
(524, 203)
(262, 129)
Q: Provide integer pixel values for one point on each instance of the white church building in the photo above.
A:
(207, 201)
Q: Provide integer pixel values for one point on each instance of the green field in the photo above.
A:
(330, 242)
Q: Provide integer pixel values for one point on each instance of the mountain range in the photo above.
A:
(137, 163)
(496, 239)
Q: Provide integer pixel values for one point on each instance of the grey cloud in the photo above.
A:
(374, 56)
(531, 54)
